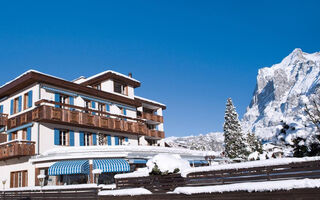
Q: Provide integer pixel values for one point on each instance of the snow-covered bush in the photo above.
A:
(163, 164)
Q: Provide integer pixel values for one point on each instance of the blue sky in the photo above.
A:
(190, 55)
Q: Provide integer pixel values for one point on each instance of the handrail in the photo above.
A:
(86, 109)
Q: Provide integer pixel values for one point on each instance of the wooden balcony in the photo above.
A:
(3, 119)
(16, 148)
(152, 117)
(81, 117)
(155, 133)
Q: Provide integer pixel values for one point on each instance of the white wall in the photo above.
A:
(13, 165)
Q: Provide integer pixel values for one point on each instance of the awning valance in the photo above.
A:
(111, 165)
(69, 167)
(198, 162)
(137, 161)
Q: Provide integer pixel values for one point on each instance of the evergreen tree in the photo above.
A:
(254, 144)
(234, 141)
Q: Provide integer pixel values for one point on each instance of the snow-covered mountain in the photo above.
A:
(280, 95)
(208, 142)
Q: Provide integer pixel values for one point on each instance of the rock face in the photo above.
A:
(280, 95)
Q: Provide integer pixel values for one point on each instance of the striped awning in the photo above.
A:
(198, 162)
(111, 165)
(69, 167)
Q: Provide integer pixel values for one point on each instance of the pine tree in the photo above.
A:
(254, 144)
(234, 140)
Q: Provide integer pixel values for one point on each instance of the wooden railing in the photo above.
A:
(149, 116)
(310, 169)
(155, 183)
(82, 117)
(299, 170)
(3, 119)
(16, 148)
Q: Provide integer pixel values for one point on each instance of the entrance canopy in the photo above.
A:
(69, 167)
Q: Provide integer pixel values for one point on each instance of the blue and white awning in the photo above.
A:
(111, 165)
(199, 162)
(69, 167)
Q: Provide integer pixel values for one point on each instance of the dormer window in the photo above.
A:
(120, 88)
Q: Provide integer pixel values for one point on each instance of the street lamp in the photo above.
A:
(4, 183)
(96, 173)
(41, 178)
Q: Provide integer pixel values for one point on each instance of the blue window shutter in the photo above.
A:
(108, 107)
(57, 99)
(71, 138)
(116, 138)
(81, 138)
(126, 139)
(93, 106)
(94, 138)
(20, 104)
(30, 99)
(10, 136)
(71, 101)
(1, 109)
(124, 111)
(109, 140)
(11, 107)
(29, 133)
(56, 137)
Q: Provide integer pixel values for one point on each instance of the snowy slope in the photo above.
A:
(280, 95)
(209, 142)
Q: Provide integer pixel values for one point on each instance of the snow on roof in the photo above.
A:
(249, 164)
(104, 72)
(251, 186)
(112, 151)
(31, 70)
(151, 101)
(125, 192)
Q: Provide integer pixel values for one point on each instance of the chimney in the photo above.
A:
(130, 74)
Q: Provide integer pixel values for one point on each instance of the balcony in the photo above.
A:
(151, 117)
(16, 148)
(3, 119)
(82, 117)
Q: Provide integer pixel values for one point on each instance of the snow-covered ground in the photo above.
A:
(125, 192)
(251, 186)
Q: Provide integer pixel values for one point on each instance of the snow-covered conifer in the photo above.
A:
(234, 140)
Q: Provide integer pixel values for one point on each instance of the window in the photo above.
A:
(87, 139)
(16, 105)
(152, 126)
(24, 134)
(64, 138)
(25, 101)
(122, 140)
(120, 88)
(14, 135)
(97, 87)
(19, 179)
(102, 107)
(64, 99)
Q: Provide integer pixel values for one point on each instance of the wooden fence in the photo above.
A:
(156, 184)
(310, 169)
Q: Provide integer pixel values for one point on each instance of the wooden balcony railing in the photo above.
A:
(16, 148)
(149, 116)
(3, 119)
(82, 117)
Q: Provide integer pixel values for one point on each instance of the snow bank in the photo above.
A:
(142, 172)
(125, 192)
(249, 164)
(252, 186)
(168, 163)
